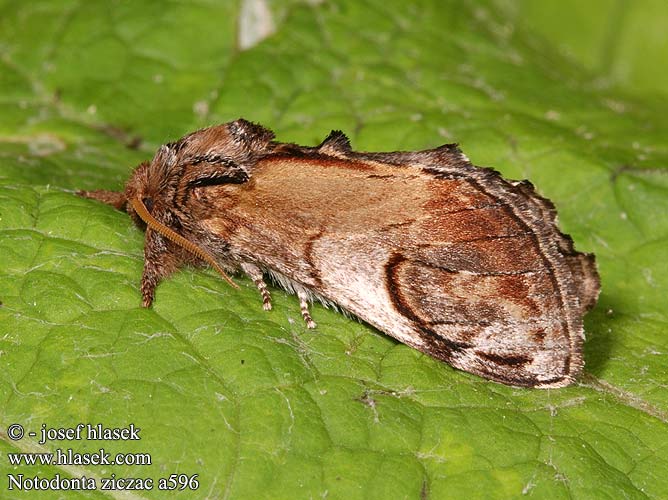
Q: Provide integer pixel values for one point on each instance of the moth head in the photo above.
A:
(157, 192)
(223, 154)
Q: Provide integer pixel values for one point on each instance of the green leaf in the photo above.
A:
(252, 402)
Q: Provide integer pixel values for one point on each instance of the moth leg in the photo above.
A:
(255, 273)
(114, 198)
(303, 304)
(159, 262)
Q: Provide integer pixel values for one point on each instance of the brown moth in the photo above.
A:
(444, 256)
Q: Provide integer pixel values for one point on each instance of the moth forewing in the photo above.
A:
(446, 257)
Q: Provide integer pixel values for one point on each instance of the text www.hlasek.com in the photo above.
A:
(67, 457)
(70, 457)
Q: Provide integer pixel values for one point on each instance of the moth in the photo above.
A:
(444, 256)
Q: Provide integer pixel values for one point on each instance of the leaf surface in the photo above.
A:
(251, 401)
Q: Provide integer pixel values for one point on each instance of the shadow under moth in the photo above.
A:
(444, 256)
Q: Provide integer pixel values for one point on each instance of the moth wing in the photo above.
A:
(507, 326)
(335, 142)
(495, 289)
(490, 283)
(446, 257)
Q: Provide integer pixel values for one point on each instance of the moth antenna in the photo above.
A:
(176, 238)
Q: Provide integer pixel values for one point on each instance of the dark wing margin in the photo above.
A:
(336, 141)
